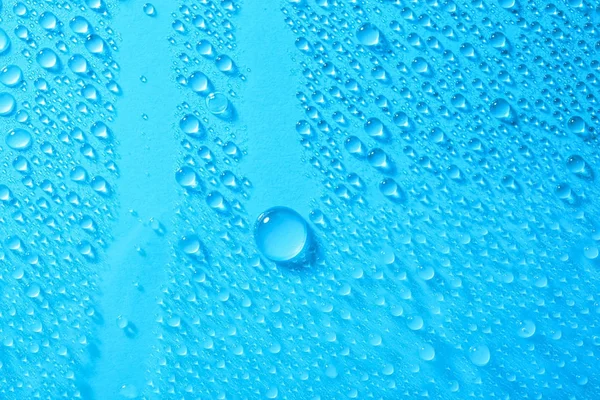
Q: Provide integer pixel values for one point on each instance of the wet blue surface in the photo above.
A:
(441, 157)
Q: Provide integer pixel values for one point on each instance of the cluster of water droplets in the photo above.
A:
(459, 141)
(455, 146)
(211, 225)
(58, 87)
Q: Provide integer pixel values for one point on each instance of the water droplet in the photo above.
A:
(355, 147)
(188, 179)
(4, 42)
(217, 103)
(199, 83)
(7, 104)
(5, 193)
(591, 252)
(20, 9)
(375, 128)
(387, 255)
(122, 322)
(49, 60)
(101, 131)
(205, 48)
(498, 40)
(129, 391)
(149, 10)
(507, 4)
(191, 245)
(272, 393)
(217, 202)
(100, 186)
(229, 180)
(11, 76)
(86, 249)
(79, 65)
(427, 352)
(192, 126)
(578, 126)
(526, 329)
(96, 45)
(380, 160)
(390, 189)
(78, 174)
(501, 109)
(80, 26)
(96, 5)
(281, 234)
(422, 67)
(48, 21)
(369, 35)
(33, 291)
(479, 355)
(414, 323)
(225, 64)
(577, 165)
(18, 139)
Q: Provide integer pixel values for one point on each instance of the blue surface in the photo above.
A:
(444, 156)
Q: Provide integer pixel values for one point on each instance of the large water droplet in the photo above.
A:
(281, 234)
(217, 202)
(18, 139)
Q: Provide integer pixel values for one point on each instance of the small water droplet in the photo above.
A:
(149, 10)
(479, 355)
